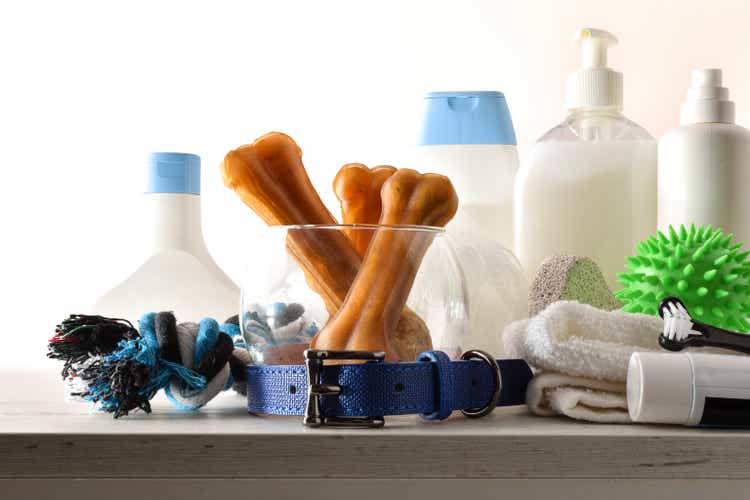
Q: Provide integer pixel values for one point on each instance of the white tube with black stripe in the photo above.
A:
(694, 389)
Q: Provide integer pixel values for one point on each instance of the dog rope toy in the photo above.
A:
(120, 369)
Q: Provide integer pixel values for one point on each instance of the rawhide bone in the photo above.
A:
(358, 191)
(270, 178)
(368, 317)
(268, 175)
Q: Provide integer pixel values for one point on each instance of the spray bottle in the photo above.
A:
(704, 165)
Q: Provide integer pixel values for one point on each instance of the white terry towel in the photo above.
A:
(582, 353)
(581, 398)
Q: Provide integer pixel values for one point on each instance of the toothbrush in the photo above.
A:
(681, 330)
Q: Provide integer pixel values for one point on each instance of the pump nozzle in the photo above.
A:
(594, 85)
(594, 44)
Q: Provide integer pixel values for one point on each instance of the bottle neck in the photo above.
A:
(598, 112)
(595, 124)
(174, 220)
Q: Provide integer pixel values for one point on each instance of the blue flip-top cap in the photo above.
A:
(174, 173)
(467, 118)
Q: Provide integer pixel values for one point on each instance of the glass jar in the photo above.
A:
(303, 277)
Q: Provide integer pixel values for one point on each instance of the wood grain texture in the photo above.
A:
(348, 489)
(41, 436)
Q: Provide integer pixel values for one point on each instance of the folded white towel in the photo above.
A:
(578, 397)
(583, 354)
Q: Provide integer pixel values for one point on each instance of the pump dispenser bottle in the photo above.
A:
(178, 274)
(588, 187)
(704, 165)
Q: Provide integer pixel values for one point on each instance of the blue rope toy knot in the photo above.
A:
(110, 363)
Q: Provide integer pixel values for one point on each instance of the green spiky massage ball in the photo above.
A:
(700, 266)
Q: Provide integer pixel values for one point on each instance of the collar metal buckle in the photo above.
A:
(314, 359)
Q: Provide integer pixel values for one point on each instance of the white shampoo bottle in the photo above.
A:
(704, 165)
(588, 186)
(469, 137)
(178, 274)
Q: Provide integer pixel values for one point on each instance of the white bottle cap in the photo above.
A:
(660, 387)
(707, 101)
(594, 85)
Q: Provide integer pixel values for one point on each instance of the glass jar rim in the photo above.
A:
(368, 227)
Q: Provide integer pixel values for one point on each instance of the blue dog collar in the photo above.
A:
(362, 394)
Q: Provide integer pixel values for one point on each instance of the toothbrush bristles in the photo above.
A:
(677, 321)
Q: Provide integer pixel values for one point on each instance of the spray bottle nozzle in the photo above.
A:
(706, 77)
(594, 44)
(707, 101)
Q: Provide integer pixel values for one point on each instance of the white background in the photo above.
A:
(87, 88)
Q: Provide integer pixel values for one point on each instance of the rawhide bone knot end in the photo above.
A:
(357, 188)
(368, 318)
(269, 176)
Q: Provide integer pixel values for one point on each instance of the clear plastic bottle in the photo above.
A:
(588, 187)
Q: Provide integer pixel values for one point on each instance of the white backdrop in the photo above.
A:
(87, 88)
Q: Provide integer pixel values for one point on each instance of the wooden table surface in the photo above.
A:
(51, 448)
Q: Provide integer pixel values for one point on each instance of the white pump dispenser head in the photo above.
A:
(707, 101)
(594, 85)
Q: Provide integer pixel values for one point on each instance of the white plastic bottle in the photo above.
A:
(704, 165)
(689, 388)
(588, 187)
(469, 137)
(178, 275)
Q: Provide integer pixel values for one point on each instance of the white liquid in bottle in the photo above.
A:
(592, 199)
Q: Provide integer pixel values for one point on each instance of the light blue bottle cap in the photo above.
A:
(467, 118)
(174, 173)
